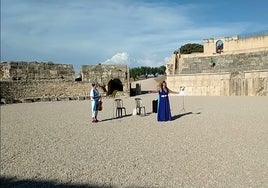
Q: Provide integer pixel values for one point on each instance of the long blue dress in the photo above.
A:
(163, 110)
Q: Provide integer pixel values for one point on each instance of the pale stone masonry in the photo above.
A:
(241, 68)
(37, 91)
(40, 81)
(22, 70)
(112, 77)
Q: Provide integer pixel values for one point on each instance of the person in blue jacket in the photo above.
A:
(94, 96)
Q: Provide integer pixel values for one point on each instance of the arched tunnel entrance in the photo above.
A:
(114, 84)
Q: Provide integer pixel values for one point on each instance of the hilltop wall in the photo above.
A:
(235, 44)
(22, 70)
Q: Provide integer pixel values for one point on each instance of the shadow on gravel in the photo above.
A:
(112, 118)
(180, 115)
(29, 183)
(12, 182)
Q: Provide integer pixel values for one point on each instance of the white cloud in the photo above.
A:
(118, 58)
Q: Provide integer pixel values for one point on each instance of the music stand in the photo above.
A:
(182, 93)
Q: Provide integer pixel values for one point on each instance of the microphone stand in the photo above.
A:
(183, 109)
(182, 93)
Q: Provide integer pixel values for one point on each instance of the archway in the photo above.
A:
(219, 46)
(114, 84)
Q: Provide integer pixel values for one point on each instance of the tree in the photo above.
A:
(137, 72)
(154, 71)
(134, 73)
(144, 71)
(190, 48)
(162, 70)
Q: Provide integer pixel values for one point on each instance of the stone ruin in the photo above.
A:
(40, 81)
(109, 77)
(241, 68)
(25, 71)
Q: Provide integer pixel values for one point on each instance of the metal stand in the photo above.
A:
(182, 88)
(183, 109)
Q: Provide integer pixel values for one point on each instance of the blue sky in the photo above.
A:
(137, 33)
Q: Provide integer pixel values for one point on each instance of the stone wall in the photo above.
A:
(34, 91)
(113, 77)
(35, 71)
(248, 83)
(256, 83)
(241, 69)
(38, 81)
(203, 84)
(102, 74)
(236, 43)
(225, 63)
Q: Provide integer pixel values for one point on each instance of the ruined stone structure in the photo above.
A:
(33, 81)
(35, 71)
(39, 81)
(37, 91)
(241, 68)
(111, 77)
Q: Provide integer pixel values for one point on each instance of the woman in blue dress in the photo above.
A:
(163, 111)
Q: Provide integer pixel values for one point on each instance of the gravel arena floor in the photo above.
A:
(212, 142)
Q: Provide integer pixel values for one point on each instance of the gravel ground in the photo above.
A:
(214, 142)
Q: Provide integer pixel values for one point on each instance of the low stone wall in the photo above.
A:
(248, 83)
(34, 91)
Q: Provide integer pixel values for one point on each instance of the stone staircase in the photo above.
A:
(226, 63)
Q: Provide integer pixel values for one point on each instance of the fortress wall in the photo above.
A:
(36, 71)
(233, 44)
(209, 46)
(245, 74)
(33, 81)
(246, 43)
(31, 91)
(248, 83)
(224, 63)
(104, 73)
(241, 69)
(257, 83)
(203, 84)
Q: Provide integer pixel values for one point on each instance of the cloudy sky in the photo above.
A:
(133, 32)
